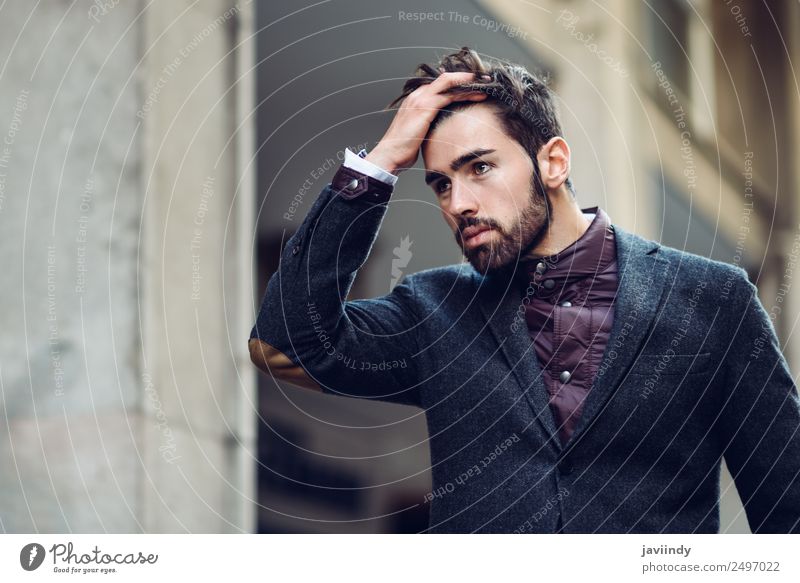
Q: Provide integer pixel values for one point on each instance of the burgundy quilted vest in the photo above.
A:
(569, 311)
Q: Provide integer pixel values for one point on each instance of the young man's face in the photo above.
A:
(490, 201)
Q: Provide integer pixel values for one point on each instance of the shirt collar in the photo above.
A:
(588, 255)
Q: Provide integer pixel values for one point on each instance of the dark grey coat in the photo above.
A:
(692, 372)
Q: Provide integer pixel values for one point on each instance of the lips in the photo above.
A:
(470, 232)
(476, 235)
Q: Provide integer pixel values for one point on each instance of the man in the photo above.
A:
(575, 377)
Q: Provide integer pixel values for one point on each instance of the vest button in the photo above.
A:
(564, 376)
(549, 283)
(541, 267)
(566, 304)
(353, 184)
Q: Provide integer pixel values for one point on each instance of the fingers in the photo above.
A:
(447, 80)
(445, 84)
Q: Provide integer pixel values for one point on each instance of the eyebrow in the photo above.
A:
(432, 175)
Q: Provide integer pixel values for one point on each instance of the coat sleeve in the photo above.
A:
(357, 348)
(759, 424)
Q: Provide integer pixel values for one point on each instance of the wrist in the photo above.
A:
(383, 161)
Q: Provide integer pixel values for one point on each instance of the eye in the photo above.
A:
(478, 164)
(438, 186)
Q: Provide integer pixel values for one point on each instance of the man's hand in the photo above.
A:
(276, 364)
(399, 147)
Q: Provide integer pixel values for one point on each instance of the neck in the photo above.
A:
(567, 225)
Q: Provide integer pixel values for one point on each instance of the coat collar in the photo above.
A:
(641, 274)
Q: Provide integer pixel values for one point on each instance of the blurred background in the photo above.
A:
(154, 156)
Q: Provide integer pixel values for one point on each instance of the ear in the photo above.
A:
(553, 159)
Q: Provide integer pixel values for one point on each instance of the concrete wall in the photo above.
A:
(121, 390)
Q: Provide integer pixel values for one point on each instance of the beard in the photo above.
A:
(511, 242)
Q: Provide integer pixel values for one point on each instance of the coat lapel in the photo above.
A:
(502, 308)
(641, 274)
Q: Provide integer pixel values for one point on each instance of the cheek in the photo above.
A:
(504, 200)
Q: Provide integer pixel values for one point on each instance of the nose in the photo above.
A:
(463, 200)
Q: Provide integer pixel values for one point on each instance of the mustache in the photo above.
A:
(464, 222)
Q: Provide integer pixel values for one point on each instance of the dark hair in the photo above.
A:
(525, 104)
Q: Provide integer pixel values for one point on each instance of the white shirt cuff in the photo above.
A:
(353, 161)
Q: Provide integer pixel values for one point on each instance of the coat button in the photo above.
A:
(564, 376)
(295, 249)
(549, 283)
(541, 267)
(353, 184)
(566, 304)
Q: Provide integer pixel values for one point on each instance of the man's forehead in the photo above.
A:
(452, 151)
(445, 154)
(463, 129)
(463, 123)
(467, 130)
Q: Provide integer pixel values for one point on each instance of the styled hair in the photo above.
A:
(525, 105)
